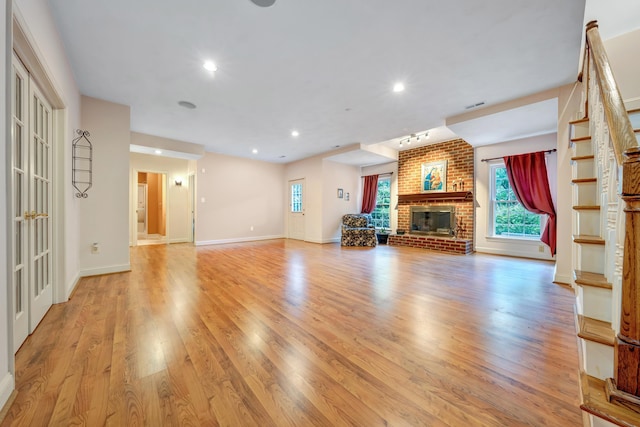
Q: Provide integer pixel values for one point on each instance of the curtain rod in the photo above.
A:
(379, 174)
(498, 158)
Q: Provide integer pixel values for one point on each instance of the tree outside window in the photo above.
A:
(510, 218)
(381, 213)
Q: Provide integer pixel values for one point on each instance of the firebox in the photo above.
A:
(432, 220)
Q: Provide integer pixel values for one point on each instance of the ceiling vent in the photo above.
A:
(469, 107)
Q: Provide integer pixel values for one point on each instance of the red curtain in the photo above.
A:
(528, 178)
(370, 193)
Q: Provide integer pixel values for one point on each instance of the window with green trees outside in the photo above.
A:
(380, 214)
(509, 217)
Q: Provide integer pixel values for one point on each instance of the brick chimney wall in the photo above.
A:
(459, 156)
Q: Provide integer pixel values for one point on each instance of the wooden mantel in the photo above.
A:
(437, 195)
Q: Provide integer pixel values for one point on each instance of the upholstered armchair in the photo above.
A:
(357, 230)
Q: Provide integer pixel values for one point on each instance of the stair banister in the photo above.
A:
(625, 387)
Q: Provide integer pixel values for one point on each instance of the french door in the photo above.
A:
(31, 200)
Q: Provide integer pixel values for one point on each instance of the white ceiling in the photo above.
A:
(325, 68)
(533, 119)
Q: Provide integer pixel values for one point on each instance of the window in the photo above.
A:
(380, 214)
(296, 198)
(509, 217)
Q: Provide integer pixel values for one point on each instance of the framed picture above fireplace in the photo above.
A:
(434, 176)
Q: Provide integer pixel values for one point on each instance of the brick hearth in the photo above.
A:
(442, 244)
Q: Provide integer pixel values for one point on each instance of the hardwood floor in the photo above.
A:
(291, 333)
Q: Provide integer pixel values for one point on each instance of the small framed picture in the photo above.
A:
(340, 193)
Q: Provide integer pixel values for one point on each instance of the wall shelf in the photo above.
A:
(439, 195)
(82, 167)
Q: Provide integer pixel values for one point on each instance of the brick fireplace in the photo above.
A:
(459, 157)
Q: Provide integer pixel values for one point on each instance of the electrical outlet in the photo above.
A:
(541, 248)
(95, 248)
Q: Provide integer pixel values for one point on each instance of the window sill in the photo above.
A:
(525, 240)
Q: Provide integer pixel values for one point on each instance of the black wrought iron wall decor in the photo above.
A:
(82, 176)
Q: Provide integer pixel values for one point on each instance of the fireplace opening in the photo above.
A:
(432, 220)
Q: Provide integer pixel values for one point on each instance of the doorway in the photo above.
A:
(151, 208)
(192, 208)
(31, 198)
(296, 210)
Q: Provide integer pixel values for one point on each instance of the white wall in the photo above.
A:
(334, 176)
(104, 215)
(178, 209)
(6, 377)
(513, 247)
(238, 194)
(624, 55)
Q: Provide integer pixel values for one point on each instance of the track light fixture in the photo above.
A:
(413, 137)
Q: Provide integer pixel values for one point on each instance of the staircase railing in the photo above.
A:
(625, 387)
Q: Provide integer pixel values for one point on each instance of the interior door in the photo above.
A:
(296, 210)
(19, 197)
(31, 198)
(141, 210)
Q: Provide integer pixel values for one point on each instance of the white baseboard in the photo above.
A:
(105, 270)
(562, 278)
(71, 287)
(518, 254)
(323, 241)
(7, 385)
(180, 240)
(237, 240)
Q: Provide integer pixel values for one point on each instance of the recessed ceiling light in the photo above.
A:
(158, 151)
(210, 66)
(295, 133)
(187, 104)
(254, 151)
(398, 87)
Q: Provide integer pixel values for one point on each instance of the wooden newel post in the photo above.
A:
(626, 386)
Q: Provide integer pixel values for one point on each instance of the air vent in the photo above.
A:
(469, 107)
(187, 104)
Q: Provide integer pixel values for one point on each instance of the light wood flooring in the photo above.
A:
(286, 333)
